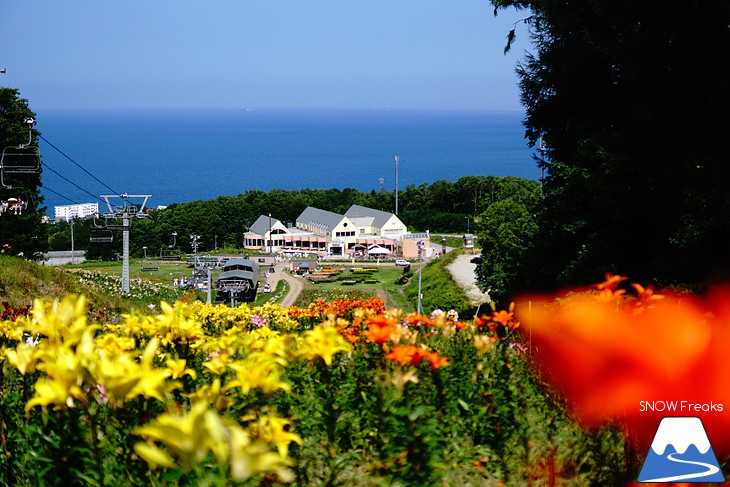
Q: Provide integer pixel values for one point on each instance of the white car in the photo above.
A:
(402, 262)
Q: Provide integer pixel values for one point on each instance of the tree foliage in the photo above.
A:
(630, 101)
(506, 231)
(19, 234)
(448, 207)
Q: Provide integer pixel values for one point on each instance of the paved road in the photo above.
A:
(463, 272)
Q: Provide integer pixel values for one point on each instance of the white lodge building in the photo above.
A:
(360, 231)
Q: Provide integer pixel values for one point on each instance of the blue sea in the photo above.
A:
(180, 156)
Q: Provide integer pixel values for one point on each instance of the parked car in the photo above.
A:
(402, 262)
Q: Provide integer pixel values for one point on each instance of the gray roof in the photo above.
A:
(319, 218)
(261, 225)
(422, 236)
(379, 218)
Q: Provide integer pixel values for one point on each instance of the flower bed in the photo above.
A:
(343, 392)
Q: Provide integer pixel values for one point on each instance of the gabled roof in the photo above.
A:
(261, 225)
(368, 216)
(320, 218)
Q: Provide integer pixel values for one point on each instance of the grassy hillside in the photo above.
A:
(21, 281)
(439, 288)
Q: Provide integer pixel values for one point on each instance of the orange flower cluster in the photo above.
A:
(616, 354)
(416, 319)
(350, 333)
(320, 308)
(411, 354)
(500, 323)
(381, 329)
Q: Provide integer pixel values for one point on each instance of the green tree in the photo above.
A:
(24, 233)
(506, 230)
(631, 102)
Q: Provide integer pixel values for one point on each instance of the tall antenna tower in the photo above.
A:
(397, 161)
(124, 212)
(542, 149)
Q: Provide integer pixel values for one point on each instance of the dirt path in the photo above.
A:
(461, 269)
(464, 274)
(295, 284)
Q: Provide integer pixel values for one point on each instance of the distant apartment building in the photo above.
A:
(67, 212)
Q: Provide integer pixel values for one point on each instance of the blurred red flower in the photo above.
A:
(614, 354)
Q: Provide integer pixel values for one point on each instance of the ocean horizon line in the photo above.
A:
(276, 109)
(187, 155)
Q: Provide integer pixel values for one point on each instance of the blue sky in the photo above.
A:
(410, 54)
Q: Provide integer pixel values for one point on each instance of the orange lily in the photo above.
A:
(610, 360)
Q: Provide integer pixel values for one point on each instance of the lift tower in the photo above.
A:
(121, 211)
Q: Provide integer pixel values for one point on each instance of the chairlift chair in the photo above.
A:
(13, 200)
(101, 236)
(114, 222)
(22, 158)
(116, 227)
(172, 252)
(99, 233)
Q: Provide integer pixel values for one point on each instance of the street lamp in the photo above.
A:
(420, 244)
(194, 243)
(73, 254)
(443, 245)
(145, 252)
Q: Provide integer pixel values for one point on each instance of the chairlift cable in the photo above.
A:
(46, 188)
(79, 165)
(69, 181)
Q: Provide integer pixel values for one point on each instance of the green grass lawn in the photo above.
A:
(166, 272)
(366, 285)
(385, 281)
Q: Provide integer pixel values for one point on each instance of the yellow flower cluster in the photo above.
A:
(192, 436)
(78, 364)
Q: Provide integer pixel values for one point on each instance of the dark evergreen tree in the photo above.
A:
(19, 233)
(505, 231)
(630, 99)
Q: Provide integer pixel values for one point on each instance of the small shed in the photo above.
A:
(264, 260)
(300, 266)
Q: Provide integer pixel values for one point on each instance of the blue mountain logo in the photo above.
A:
(681, 451)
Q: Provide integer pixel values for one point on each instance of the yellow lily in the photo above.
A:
(323, 342)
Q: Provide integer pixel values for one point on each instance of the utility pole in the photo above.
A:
(542, 149)
(208, 286)
(397, 160)
(73, 258)
(124, 212)
(420, 245)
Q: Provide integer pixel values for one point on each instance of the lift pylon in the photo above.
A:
(122, 208)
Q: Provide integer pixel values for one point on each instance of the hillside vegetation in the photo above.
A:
(21, 281)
